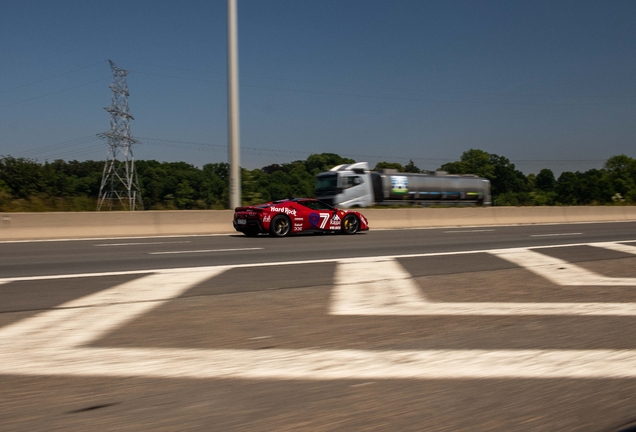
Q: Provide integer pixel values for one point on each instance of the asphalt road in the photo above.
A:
(266, 303)
(110, 255)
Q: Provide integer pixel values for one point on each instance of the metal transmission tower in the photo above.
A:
(120, 187)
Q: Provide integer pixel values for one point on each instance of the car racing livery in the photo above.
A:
(295, 216)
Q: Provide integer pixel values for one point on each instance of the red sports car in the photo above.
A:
(294, 216)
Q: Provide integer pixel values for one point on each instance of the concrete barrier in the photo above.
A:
(22, 226)
(31, 226)
(480, 216)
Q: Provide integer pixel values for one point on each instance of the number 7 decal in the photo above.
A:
(324, 217)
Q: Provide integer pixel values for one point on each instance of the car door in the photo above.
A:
(317, 216)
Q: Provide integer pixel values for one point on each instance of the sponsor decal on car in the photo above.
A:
(319, 219)
(298, 225)
(335, 219)
(299, 219)
(334, 227)
(298, 228)
(283, 210)
(267, 218)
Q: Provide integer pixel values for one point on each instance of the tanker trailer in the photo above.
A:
(354, 185)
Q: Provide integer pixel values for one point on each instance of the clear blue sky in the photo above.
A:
(544, 83)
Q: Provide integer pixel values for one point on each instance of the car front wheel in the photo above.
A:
(280, 226)
(350, 224)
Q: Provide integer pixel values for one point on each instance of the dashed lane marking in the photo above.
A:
(203, 251)
(317, 261)
(555, 235)
(468, 231)
(141, 243)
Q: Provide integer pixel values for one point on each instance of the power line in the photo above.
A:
(409, 89)
(404, 98)
(57, 146)
(260, 151)
(54, 93)
(51, 77)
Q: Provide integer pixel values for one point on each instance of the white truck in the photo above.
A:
(355, 185)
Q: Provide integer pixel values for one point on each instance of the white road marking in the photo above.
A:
(468, 231)
(555, 235)
(115, 238)
(278, 364)
(234, 233)
(619, 247)
(203, 251)
(141, 243)
(285, 263)
(558, 271)
(85, 319)
(386, 288)
(50, 343)
(366, 288)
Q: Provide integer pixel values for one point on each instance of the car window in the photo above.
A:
(316, 205)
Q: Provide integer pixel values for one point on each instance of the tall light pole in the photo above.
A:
(233, 105)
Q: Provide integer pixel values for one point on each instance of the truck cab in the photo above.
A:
(346, 186)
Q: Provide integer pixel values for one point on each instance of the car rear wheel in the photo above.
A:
(350, 224)
(280, 226)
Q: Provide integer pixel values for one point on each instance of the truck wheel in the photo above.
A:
(280, 226)
(350, 224)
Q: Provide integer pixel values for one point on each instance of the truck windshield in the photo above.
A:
(326, 183)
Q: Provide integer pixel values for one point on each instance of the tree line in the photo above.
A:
(28, 185)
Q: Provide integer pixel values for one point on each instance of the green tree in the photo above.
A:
(568, 188)
(411, 167)
(317, 163)
(545, 180)
(388, 165)
(503, 175)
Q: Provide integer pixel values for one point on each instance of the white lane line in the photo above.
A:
(491, 309)
(285, 263)
(278, 364)
(619, 247)
(386, 288)
(558, 271)
(141, 243)
(555, 235)
(468, 231)
(203, 251)
(116, 238)
(88, 318)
